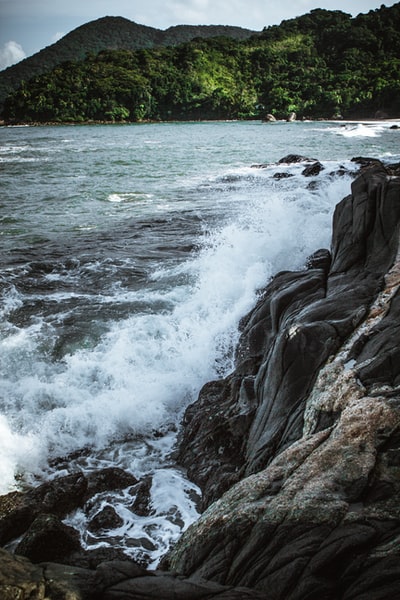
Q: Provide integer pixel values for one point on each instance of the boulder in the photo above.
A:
(18, 510)
(107, 518)
(313, 170)
(142, 503)
(108, 479)
(48, 539)
(282, 175)
(295, 158)
(58, 497)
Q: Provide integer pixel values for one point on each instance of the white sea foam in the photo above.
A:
(360, 130)
(172, 509)
(149, 366)
(15, 449)
(103, 355)
(128, 196)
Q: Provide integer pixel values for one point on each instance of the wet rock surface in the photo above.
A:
(315, 512)
(58, 497)
(297, 452)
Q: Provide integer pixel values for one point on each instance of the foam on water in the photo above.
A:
(371, 129)
(145, 537)
(117, 397)
(128, 197)
(147, 367)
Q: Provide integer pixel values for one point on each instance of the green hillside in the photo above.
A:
(107, 33)
(319, 65)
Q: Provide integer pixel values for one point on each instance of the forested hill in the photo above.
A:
(322, 64)
(107, 33)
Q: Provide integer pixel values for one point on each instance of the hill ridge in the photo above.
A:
(107, 33)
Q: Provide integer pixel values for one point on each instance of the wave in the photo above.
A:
(362, 130)
(146, 368)
(101, 354)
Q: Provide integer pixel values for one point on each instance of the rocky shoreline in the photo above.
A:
(297, 452)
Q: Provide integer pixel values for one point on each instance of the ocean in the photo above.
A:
(129, 254)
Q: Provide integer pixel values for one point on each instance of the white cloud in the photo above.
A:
(192, 11)
(10, 54)
(57, 36)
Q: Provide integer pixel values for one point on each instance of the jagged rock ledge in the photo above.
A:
(298, 450)
(309, 423)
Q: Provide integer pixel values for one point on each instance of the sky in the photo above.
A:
(27, 26)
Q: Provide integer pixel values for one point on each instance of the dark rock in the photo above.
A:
(20, 579)
(314, 513)
(59, 497)
(109, 479)
(339, 172)
(366, 162)
(48, 539)
(107, 518)
(313, 185)
(122, 580)
(18, 510)
(313, 170)
(282, 175)
(366, 224)
(128, 582)
(141, 505)
(90, 559)
(320, 259)
(214, 430)
(295, 158)
(114, 572)
(393, 169)
(65, 582)
(261, 166)
(379, 358)
(15, 516)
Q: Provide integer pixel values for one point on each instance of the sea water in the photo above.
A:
(129, 253)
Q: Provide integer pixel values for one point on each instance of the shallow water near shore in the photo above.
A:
(129, 255)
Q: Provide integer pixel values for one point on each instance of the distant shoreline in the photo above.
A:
(369, 121)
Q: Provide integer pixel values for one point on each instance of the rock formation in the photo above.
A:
(297, 451)
(309, 424)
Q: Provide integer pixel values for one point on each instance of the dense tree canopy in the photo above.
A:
(322, 64)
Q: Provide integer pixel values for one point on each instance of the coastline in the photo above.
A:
(367, 121)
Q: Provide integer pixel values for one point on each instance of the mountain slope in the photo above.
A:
(321, 65)
(107, 33)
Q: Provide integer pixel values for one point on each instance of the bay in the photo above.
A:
(129, 253)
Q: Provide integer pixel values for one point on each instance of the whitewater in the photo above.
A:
(129, 255)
